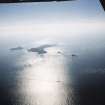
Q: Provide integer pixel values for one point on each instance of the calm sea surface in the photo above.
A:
(68, 72)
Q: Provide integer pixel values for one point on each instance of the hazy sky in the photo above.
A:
(52, 11)
(50, 17)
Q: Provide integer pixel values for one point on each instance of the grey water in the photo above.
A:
(70, 73)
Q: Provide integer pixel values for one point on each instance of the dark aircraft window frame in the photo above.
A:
(26, 1)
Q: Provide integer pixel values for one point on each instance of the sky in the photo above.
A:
(50, 11)
(52, 17)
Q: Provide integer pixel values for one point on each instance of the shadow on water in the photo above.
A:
(5, 96)
(8, 81)
(92, 90)
(88, 73)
